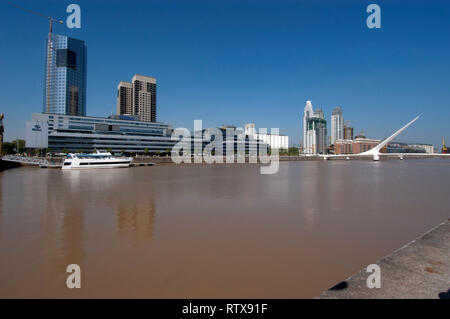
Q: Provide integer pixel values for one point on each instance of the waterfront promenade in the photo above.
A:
(56, 162)
(420, 269)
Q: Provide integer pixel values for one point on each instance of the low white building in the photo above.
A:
(427, 147)
(275, 141)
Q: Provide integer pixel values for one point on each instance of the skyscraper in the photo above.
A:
(65, 76)
(307, 113)
(138, 98)
(314, 130)
(125, 98)
(337, 125)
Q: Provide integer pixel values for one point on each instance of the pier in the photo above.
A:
(420, 269)
(38, 161)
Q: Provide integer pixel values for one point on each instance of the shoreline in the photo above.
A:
(150, 161)
(420, 270)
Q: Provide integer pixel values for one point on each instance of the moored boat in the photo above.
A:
(95, 160)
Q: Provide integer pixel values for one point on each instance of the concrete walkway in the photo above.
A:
(420, 269)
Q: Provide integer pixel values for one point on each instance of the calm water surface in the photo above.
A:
(213, 230)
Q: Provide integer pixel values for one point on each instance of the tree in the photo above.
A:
(7, 148)
(109, 149)
(293, 151)
(146, 151)
(19, 145)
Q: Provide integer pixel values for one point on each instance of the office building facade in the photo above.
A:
(85, 133)
(138, 98)
(356, 146)
(125, 99)
(65, 76)
(117, 133)
(315, 140)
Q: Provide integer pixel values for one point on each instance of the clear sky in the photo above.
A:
(240, 61)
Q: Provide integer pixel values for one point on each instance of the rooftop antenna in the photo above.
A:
(49, 48)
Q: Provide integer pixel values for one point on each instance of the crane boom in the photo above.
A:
(49, 48)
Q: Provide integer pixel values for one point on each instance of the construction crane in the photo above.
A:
(49, 48)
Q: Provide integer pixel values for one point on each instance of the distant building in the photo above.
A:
(274, 141)
(343, 147)
(337, 125)
(364, 144)
(314, 131)
(87, 133)
(348, 132)
(360, 135)
(307, 113)
(401, 147)
(118, 133)
(138, 98)
(125, 99)
(428, 148)
(316, 136)
(358, 145)
(65, 76)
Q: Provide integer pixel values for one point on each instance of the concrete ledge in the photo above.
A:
(420, 269)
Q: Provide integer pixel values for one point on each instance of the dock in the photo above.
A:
(133, 164)
(418, 270)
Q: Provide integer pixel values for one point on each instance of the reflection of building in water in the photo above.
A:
(136, 218)
(62, 227)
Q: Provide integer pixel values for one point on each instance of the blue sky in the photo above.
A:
(233, 62)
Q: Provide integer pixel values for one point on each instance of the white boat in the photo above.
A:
(95, 160)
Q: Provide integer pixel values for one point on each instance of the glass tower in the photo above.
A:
(65, 76)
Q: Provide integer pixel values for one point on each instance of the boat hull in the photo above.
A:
(96, 166)
(86, 164)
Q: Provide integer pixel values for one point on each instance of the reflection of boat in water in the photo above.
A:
(95, 160)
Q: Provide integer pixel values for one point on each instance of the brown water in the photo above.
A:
(212, 230)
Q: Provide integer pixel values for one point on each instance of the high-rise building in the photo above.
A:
(125, 99)
(138, 98)
(337, 125)
(314, 131)
(348, 132)
(316, 136)
(307, 113)
(65, 76)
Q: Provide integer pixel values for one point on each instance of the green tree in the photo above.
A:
(19, 145)
(293, 151)
(7, 148)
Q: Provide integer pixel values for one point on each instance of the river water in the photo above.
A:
(211, 231)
